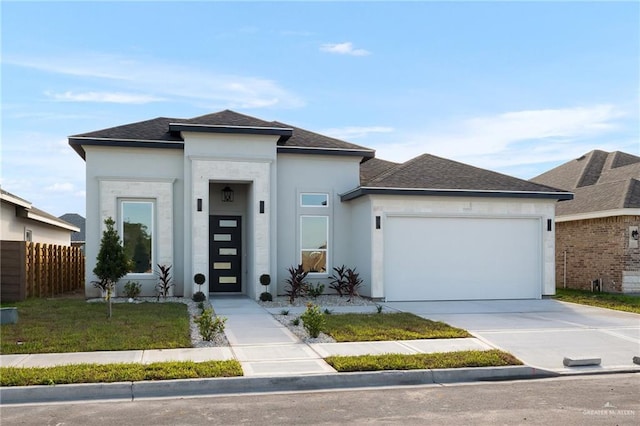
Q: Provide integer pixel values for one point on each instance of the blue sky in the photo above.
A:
(514, 87)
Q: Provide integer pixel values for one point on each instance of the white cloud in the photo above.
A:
(514, 139)
(105, 97)
(345, 48)
(355, 132)
(60, 187)
(162, 80)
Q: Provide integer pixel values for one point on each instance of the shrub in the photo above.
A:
(284, 312)
(164, 281)
(265, 296)
(201, 306)
(353, 282)
(132, 289)
(265, 279)
(339, 280)
(327, 311)
(208, 325)
(112, 262)
(295, 321)
(379, 309)
(199, 297)
(312, 320)
(315, 291)
(297, 285)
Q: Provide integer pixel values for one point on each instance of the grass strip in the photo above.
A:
(72, 325)
(388, 326)
(460, 359)
(618, 302)
(109, 373)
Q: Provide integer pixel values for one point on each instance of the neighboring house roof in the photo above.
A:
(431, 175)
(78, 221)
(603, 183)
(163, 132)
(26, 210)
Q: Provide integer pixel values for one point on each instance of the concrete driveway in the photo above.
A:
(542, 332)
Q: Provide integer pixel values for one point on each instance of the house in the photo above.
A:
(597, 231)
(21, 221)
(77, 238)
(233, 197)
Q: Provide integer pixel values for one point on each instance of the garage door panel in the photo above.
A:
(429, 258)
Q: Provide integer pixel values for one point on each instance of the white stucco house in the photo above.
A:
(233, 197)
(20, 220)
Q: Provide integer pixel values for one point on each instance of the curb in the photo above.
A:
(238, 385)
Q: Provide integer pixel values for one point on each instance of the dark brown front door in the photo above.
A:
(225, 254)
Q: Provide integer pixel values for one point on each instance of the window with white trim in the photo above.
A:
(137, 231)
(314, 238)
(28, 235)
(314, 220)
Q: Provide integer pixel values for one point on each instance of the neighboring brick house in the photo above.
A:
(597, 231)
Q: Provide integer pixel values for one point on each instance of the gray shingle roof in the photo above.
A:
(157, 129)
(76, 220)
(373, 168)
(600, 180)
(430, 172)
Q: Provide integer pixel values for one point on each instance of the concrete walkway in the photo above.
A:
(263, 346)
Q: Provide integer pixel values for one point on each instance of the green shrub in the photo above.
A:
(284, 312)
(339, 280)
(199, 297)
(315, 291)
(266, 296)
(312, 320)
(208, 325)
(295, 321)
(132, 289)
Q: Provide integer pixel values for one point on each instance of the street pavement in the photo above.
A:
(541, 333)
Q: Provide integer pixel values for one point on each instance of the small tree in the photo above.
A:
(112, 263)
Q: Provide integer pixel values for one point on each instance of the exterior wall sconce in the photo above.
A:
(261, 206)
(549, 225)
(227, 195)
(199, 203)
(378, 222)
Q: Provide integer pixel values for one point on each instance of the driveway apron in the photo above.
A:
(542, 332)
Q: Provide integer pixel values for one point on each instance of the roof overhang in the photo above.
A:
(77, 143)
(367, 190)
(284, 133)
(10, 198)
(34, 215)
(598, 215)
(366, 154)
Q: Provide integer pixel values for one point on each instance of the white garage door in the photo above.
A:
(435, 258)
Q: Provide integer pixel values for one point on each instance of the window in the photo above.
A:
(28, 235)
(314, 200)
(314, 236)
(137, 234)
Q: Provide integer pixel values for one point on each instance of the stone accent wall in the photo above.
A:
(598, 248)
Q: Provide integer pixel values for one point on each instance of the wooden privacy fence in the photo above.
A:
(39, 270)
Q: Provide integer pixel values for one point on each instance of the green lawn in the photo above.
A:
(394, 326)
(619, 302)
(108, 373)
(73, 325)
(460, 359)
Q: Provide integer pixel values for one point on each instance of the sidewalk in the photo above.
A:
(263, 346)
